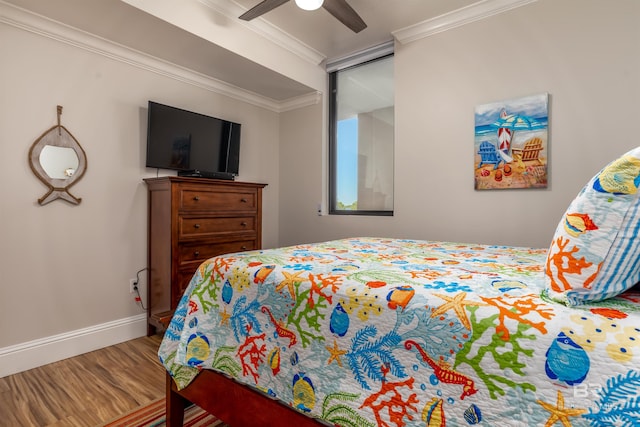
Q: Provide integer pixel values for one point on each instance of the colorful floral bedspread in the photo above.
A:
(386, 332)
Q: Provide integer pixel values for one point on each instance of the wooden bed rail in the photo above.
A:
(231, 402)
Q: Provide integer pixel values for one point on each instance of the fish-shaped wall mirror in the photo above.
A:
(59, 161)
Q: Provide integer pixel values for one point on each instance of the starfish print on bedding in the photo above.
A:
(289, 281)
(559, 412)
(335, 353)
(224, 317)
(457, 304)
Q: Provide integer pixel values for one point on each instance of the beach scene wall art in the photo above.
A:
(511, 143)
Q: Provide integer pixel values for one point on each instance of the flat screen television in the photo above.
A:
(191, 143)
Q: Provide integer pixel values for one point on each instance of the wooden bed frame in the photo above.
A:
(231, 402)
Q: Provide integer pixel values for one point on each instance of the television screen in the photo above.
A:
(191, 143)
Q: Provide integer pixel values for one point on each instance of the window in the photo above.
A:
(361, 114)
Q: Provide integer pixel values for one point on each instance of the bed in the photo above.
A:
(372, 331)
(397, 332)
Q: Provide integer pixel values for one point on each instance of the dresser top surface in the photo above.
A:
(191, 180)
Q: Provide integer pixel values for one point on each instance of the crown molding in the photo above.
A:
(466, 15)
(232, 10)
(45, 27)
(300, 101)
(360, 57)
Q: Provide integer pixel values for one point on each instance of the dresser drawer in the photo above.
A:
(201, 227)
(196, 253)
(212, 199)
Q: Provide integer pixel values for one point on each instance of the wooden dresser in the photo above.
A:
(190, 221)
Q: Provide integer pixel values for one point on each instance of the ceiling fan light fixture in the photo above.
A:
(309, 4)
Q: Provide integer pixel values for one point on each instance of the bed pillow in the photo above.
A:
(595, 252)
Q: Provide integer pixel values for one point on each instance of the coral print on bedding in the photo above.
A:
(386, 332)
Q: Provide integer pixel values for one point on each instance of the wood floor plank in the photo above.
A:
(86, 390)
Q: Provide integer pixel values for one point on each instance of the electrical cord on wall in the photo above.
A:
(138, 298)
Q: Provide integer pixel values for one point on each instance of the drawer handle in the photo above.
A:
(196, 198)
(196, 253)
(244, 224)
(243, 200)
(196, 225)
(244, 248)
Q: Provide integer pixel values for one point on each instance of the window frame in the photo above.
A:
(333, 140)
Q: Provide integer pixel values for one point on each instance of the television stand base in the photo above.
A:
(211, 175)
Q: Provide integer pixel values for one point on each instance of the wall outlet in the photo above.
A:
(132, 284)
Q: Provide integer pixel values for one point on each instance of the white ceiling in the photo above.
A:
(130, 26)
(321, 31)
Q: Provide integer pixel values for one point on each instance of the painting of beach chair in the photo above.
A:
(489, 155)
(530, 151)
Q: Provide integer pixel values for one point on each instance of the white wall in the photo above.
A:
(65, 267)
(584, 53)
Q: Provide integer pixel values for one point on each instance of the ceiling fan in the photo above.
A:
(340, 9)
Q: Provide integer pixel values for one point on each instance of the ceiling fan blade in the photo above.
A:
(261, 8)
(344, 13)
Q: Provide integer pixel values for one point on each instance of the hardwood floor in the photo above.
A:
(85, 390)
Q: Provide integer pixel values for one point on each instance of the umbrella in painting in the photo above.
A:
(507, 124)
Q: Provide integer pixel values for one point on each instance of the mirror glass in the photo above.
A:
(59, 162)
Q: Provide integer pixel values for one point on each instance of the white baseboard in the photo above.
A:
(29, 355)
